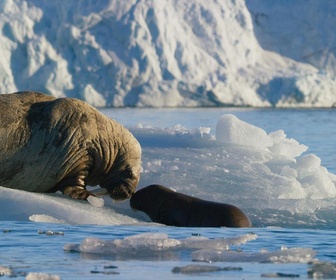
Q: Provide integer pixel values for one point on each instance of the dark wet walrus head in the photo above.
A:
(171, 208)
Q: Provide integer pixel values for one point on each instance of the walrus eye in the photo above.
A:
(127, 173)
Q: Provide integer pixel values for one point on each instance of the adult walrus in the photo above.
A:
(49, 144)
(171, 208)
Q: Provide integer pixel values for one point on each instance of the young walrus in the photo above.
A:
(171, 208)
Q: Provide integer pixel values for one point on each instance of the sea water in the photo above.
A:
(281, 243)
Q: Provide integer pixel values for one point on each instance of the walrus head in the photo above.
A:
(118, 162)
(123, 184)
(124, 175)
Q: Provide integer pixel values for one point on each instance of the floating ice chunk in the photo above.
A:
(94, 246)
(50, 232)
(96, 201)
(42, 276)
(217, 243)
(152, 241)
(322, 270)
(147, 244)
(231, 130)
(197, 268)
(279, 274)
(4, 271)
(190, 269)
(293, 255)
(45, 219)
(284, 146)
(136, 243)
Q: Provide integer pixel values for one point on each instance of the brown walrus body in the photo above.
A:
(167, 207)
(49, 144)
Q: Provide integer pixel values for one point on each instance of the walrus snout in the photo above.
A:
(122, 185)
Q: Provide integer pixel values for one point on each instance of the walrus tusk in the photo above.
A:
(99, 192)
(96, 201)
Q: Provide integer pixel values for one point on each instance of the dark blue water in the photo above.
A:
(25, 250)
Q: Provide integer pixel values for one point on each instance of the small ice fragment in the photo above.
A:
(189, 269)
(5, 271)
(42, 276)
(232, 268)
(50, 232)
(198, 268)
(322, 270)
(57, 233)
(96, 201)
(173, 168)
(217, 243)
(110, 267)
(293, 255)
(104, 272)
(45, 219)
(279, 274)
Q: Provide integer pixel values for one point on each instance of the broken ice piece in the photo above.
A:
(5, 271)
(96, 201)
(189, 269)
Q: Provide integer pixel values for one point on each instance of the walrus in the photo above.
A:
(50, 144)
(171, 208)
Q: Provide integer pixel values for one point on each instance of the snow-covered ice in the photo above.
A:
(42, 276)
(272, 178)
(176, 53)
(284, 255)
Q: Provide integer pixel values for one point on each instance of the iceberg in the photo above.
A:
(181, 54)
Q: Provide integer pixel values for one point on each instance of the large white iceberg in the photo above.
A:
(180, 53)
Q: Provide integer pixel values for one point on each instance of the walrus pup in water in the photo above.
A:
(49, 144)
(167, 207)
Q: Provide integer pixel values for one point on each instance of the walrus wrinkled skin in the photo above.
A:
(49, 144)
(167, 207)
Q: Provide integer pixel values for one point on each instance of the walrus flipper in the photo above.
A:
(75, 192)
(74, 187)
